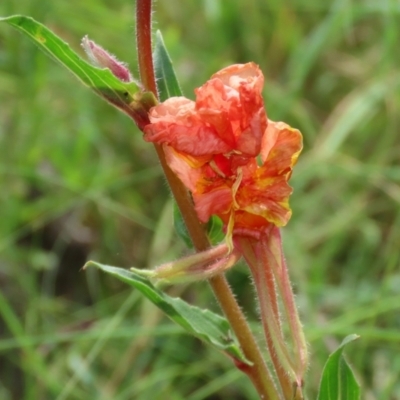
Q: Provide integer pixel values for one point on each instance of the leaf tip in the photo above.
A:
(349, 338)
(89, 263)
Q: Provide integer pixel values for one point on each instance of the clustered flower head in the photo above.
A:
(235, 162)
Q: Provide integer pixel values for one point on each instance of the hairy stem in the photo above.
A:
(143, 45)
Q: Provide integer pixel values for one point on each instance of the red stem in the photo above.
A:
(144, 49)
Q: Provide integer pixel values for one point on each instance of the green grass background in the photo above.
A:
(78, 182)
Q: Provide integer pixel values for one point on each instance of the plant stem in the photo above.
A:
(143, 45)
(258, 372)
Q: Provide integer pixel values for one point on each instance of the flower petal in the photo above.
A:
(211, 194)
(267, 197)
(217, 201)
(281, 147)
(231, 102)
(176, 123)
(182, 168)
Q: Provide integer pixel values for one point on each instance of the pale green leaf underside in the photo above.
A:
(204, 324)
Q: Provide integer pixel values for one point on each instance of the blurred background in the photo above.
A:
(78, 182)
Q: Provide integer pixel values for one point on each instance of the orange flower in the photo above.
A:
(212, 145)
(237, 164)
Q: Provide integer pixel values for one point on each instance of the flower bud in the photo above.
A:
(102, 59)
(195, 267)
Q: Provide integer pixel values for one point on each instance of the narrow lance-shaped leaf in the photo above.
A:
(338, 381)
(126, 96)
(204, 324)
(167, 83)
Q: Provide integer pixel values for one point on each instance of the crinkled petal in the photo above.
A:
(217, 106)
(236, 75)
(217, 201)
(249, 141)
(231, 102)
(281, 147)
(176, 123)
(211, 194)
(182, 168)
(267, 197)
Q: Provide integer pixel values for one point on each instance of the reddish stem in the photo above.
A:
(144, 49)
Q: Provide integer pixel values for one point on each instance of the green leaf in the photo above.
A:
(167, 83)
(207, 326)
(214, 230)
(102, 81)
(338, 381)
